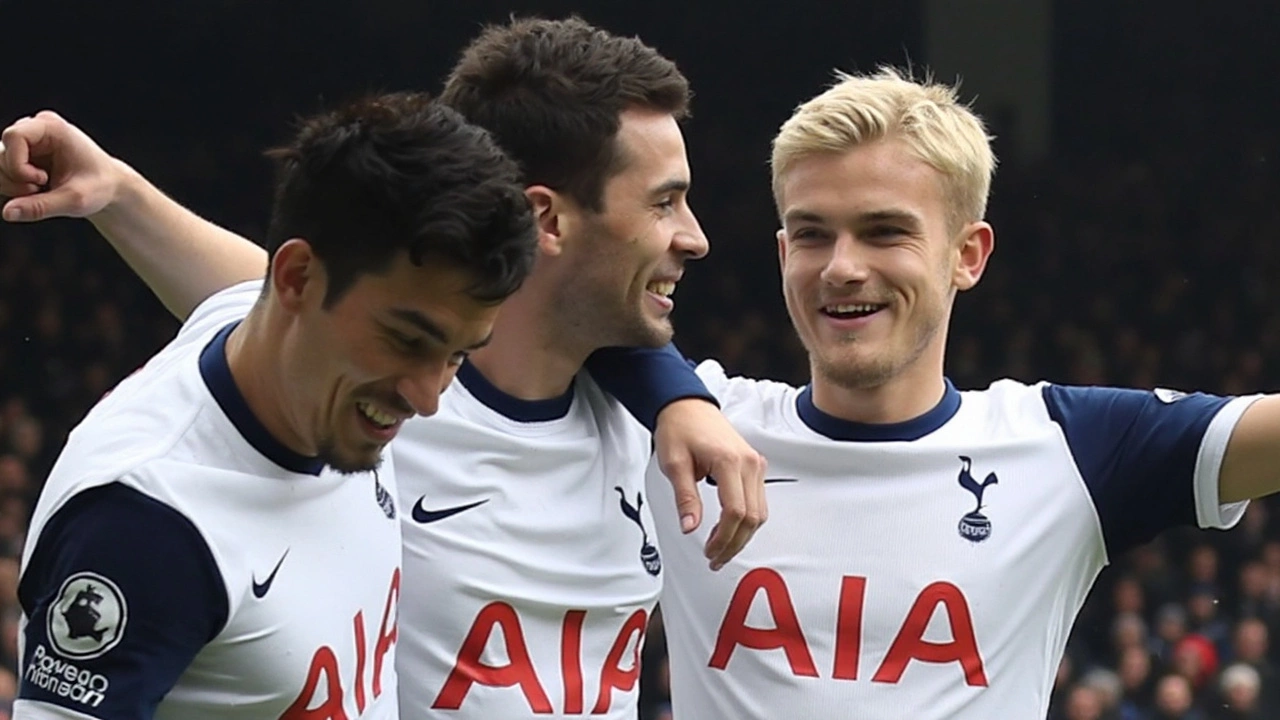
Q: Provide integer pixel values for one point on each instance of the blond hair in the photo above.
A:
(928, 116)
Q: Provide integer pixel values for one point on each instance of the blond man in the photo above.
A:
(928, 549)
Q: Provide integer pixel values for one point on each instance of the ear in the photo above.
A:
(551, 212)
(296, 276)
(782, 249)
(975, 243)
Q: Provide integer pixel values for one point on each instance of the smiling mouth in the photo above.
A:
(376, 417)
(662, 288)
(848, 311)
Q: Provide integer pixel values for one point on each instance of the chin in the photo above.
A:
(352, 462)
(345, 467)
(647, 332)
(853, 369)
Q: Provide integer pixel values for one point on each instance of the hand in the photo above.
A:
(695, 440)
(52, 169)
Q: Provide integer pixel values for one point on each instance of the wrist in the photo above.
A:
(685, 401)
(126, 193)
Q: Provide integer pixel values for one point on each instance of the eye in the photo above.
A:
(807, 234)
(407, 344)
(886, 231)
(666, 205)
(458, 358)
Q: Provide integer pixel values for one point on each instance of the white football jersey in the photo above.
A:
(181, 563)
(530, 566)
(930, 569)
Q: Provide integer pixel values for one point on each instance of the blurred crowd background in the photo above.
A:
(1137, 210)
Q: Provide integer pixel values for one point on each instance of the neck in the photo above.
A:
(254, 350)
(907, 395)
(532, 356)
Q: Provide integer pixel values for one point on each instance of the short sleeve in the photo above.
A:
(120, 594)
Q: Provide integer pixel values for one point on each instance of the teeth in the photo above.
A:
(661, 287)
(852, 308)
(376, 416)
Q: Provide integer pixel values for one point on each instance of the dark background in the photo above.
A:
(1135, 206)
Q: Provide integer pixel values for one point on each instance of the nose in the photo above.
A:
(422, 388)
(847, 263)
(690, 240)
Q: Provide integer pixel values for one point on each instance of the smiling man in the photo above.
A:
(219, 536)
(530, 573)
(929, 556)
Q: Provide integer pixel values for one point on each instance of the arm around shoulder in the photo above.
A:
(181, 256)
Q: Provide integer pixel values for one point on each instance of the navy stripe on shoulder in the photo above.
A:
(1137, 452)
(121, 593)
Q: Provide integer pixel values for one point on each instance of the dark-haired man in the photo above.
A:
(530, 567)
(218, 537)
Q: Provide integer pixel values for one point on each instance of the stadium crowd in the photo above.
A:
(1149, 268)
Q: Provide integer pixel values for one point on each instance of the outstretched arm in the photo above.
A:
(52, 169)
(1251, 464)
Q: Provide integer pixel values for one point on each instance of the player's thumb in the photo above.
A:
(40, 206)
(685, 485)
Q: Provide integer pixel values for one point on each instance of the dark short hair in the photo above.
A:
(400, 172)
(551, 92)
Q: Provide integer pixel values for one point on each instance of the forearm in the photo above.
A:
(182, 257)
(646, 380)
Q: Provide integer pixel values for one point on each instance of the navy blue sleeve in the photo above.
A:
(120, 594)
(1137, 453)
(646, 380)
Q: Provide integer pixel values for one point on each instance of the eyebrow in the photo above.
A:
(670, 186)
(428, 326)
(867, 217)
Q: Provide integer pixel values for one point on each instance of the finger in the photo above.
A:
(735, 544)
(61, 202)
(758, 499)
(727, 546)
(15, 160)
(11, 189)
(684, 483)
(733, 510)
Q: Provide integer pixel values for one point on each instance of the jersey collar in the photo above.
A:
(217, 376)
(513, 408)
(914, 429)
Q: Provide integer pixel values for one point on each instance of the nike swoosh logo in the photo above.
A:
(424, 516)
(712, 481)
(260, 589)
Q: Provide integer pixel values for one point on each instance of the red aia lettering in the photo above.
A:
(389, 631)
(911, 645)
(908, 645)
(785, 634)
(849, 628)
(611, 674)
(358, 622)
(469, 669)
(325, 663)
(571, 660)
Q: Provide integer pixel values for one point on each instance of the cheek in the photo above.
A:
(793, 294)
(653, 240)
(368, 363)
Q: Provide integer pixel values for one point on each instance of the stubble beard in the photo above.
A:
(855, 372)
(342, 463)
